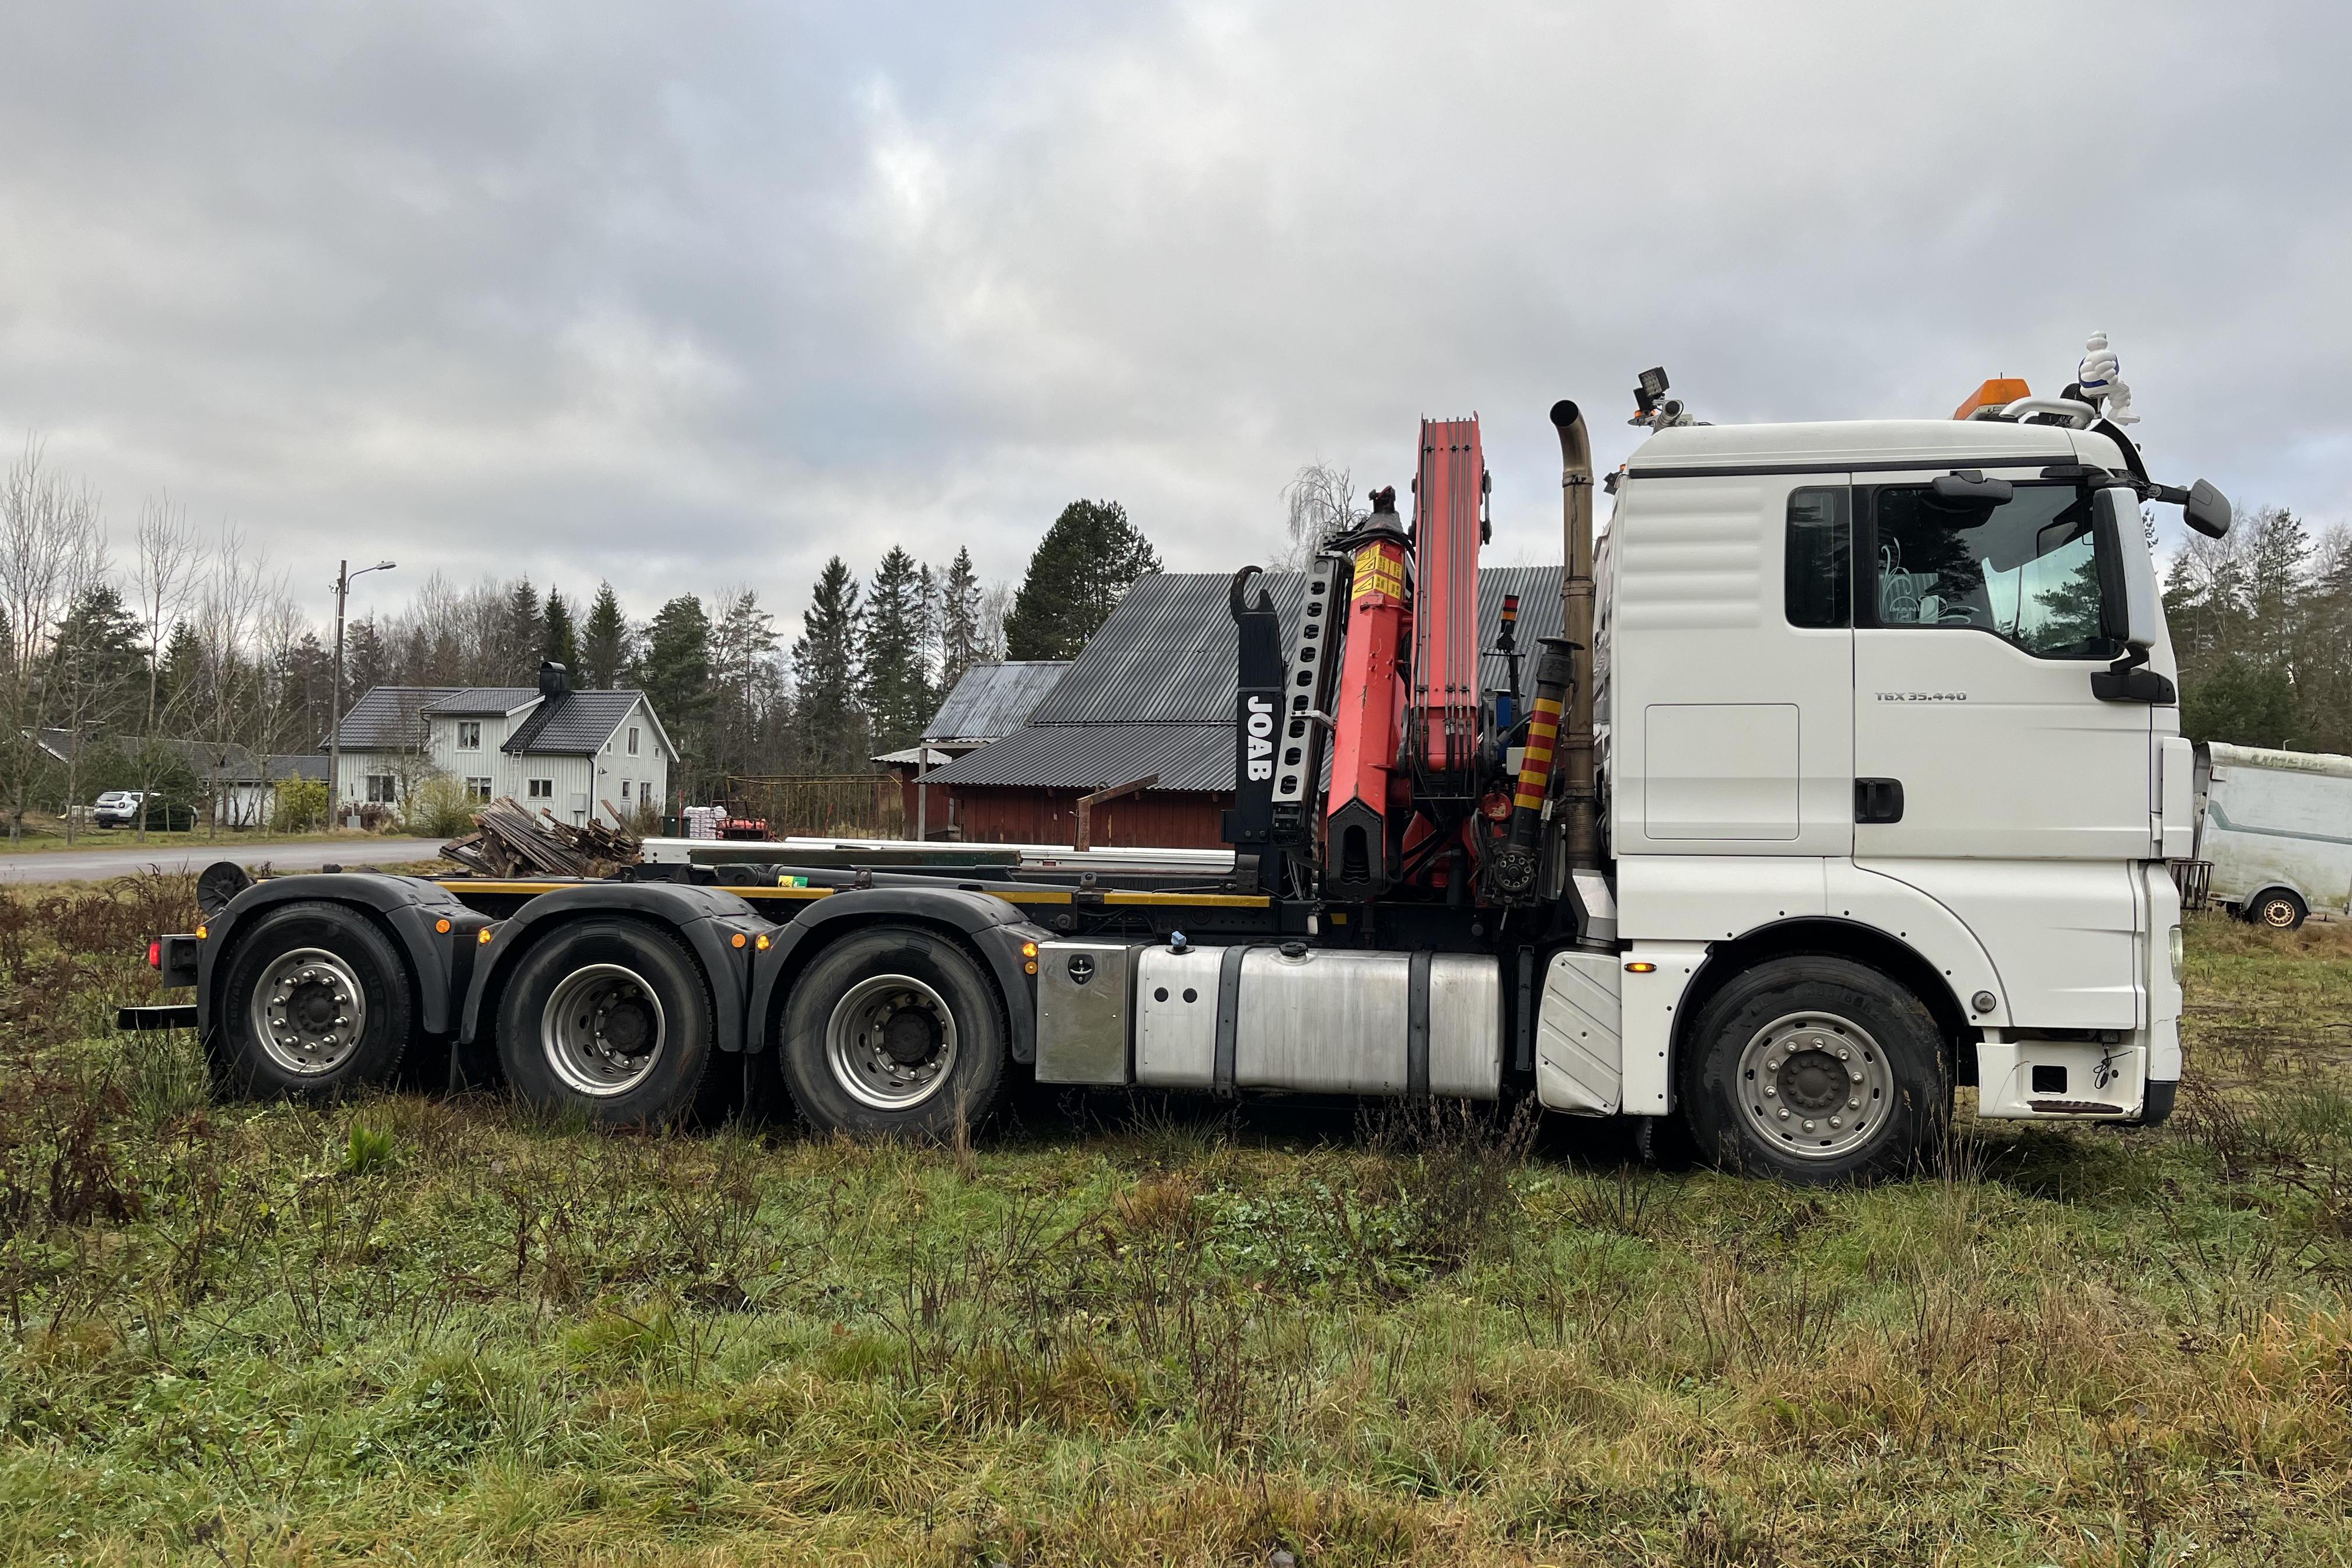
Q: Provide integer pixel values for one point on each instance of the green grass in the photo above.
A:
(442, 1331)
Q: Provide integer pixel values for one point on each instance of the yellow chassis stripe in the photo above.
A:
(1012, 895)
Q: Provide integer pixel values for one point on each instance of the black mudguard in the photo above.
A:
(996, 929)
(409, 909)
(709, 920)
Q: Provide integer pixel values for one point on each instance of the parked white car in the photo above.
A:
(117, 808)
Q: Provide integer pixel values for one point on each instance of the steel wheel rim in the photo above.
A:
(891, 1042)
(1815, 1086)
(602, 1030)
(308, 1011)
(2278, 914)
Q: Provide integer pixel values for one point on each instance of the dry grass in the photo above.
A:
(441, 1330)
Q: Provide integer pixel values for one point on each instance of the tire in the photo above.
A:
(2276, 909)
(1819, 1034)
(315, 1004)
(894, 1031)
(612, 1017)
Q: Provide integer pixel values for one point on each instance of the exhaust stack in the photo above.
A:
(1578, 795)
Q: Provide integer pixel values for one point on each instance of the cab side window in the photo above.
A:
(1819, 573)
(2023, 569)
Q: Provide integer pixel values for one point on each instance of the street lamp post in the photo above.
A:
(343, 575)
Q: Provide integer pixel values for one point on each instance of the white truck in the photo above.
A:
(2275, 831)
(1853, 779)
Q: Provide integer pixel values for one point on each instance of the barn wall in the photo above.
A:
(1154, 820)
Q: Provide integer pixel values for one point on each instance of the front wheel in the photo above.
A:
(894, 1030)
(1815, 1069)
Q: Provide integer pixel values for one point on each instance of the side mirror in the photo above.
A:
(2207, 510)
(2131, 609)
(1970, 485)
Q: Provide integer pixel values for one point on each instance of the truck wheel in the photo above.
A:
(894, 1030)
(316, 1003)
(611, 1015)
(2277, 909)
(1815, 1069)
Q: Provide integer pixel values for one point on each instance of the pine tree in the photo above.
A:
(1078, 573)
(677, 665)
(605, 641)
(825, 659)
(525, 632)
(897, 685)
(743, 657)
(558, 641)
(959, 645)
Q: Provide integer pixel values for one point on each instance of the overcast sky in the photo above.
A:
(688, 296)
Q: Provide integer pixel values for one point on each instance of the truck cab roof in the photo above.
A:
(1864, 443)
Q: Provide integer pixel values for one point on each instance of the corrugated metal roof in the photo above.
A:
(995, 698)
(1153, 690)
(579, 724)
(1089, 756)
(389, 718)
(484, 701)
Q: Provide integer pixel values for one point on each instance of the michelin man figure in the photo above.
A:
(2100, 375)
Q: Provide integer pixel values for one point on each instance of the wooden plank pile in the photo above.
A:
(510, 841)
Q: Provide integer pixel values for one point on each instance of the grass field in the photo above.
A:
(433, 1332)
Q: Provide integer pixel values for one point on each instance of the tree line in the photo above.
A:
(193, 647)
(2262, 624)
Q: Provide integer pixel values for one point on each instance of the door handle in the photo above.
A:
(1878, 800)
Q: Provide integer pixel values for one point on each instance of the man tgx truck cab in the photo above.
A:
(1849, 777)
(1892, 765)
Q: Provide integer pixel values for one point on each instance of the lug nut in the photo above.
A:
(1784, 1113)
(1856, 1073)
(1809, 1126)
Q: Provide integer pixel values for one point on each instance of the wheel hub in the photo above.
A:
(891, 1041)
(309, 1010)
(1815, 1085)
(602, 1030)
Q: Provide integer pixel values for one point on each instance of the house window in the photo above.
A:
(633, 740)
(470, 734)
(625, 789)
(542, 789)
(382, 790)
(478, 788)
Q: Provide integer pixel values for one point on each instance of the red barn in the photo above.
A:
(1151, 694)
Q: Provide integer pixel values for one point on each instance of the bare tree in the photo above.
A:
(995, 603)
(164, 567)
(227, 624)
(51, 550)
(1320, 504)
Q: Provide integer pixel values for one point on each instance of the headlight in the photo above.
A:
(2173, 945)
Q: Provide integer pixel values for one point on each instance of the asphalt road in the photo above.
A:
(98, 865)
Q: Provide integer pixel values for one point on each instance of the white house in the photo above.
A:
(571, 753)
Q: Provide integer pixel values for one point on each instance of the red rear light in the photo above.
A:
(155, 955)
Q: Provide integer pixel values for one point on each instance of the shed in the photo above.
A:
(1153, 692)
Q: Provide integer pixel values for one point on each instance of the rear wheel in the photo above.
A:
(1815, 1069)
(611, 1015)
(893, 1030)
(315, 1003)
(2278, 908)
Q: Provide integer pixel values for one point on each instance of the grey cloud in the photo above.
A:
(683, 296)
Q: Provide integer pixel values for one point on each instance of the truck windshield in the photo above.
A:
(2023, 570)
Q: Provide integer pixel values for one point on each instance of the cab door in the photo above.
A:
(1986, 773)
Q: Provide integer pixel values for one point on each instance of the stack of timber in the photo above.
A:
(510, 841)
